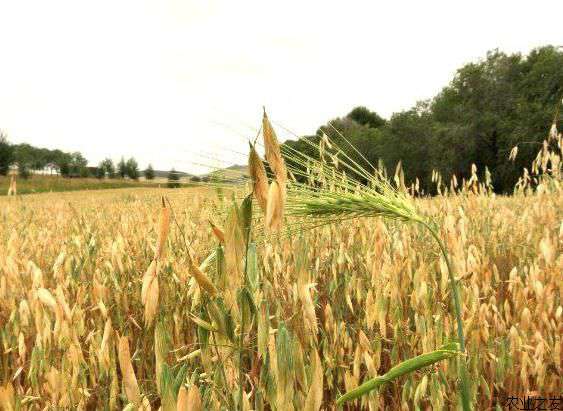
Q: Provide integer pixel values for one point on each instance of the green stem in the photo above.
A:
(243, 316)
(404, 368)
(453, 285)
(465, 394)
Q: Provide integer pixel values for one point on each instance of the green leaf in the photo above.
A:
(404, 368)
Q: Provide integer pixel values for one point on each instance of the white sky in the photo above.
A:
(177, 82)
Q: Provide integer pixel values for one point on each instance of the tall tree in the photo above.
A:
(64, 167)
(6, 154)
(173, 179)
(23, 171)
(132, 169)
(407, 138)
(78, 165)
(100, 172)
(108, 167)
(149, 172)
(122, 168)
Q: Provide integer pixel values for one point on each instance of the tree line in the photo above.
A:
(489, 107)
(29, 158)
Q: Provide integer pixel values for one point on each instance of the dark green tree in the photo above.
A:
(173, 179)
(6, 154)
(122, 168)
(64, 168)
(84, 172)
(149, 172)
(365, 117)
(132, 169)
(100, 172)
(108, 167)
(78, 165)
(407, 138)
(24, 155)
(23, 171)
(61, 160)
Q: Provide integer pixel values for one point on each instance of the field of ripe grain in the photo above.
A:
(47, 183)
(323, 311)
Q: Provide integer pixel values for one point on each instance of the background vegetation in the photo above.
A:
(489, 107)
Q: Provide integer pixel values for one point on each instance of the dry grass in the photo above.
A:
(331, 307)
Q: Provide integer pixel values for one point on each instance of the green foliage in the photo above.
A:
(23, 171)
(365, 117)
(496, 104)
(108, 167)
(64, 168)
(84, 172)
(122, 168)
(404, 368)
(78, 165)
(34, 158)
(488, 108)
(408, 138)
(6, 154)
(173, 179)
(132, 169)
(149, 172)
(100, 172)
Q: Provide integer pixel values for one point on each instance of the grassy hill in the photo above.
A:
(164, 174)
(233, 174)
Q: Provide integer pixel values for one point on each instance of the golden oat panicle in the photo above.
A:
(7, 397)
(202, 280)
(128, 374)
(150, 292)
(259, 179)
(274, 212)
(273, 150)
(164, 227)
(219, 234)
(189, 399)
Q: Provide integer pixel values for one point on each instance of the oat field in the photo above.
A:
(51, 183)
(324, 309)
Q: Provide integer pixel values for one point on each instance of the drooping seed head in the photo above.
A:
(217, 232)
(259, 179)
(202, 280)
(128, 374)
(274, 212)
(273, 151)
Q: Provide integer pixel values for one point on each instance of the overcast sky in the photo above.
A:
(181, 83)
